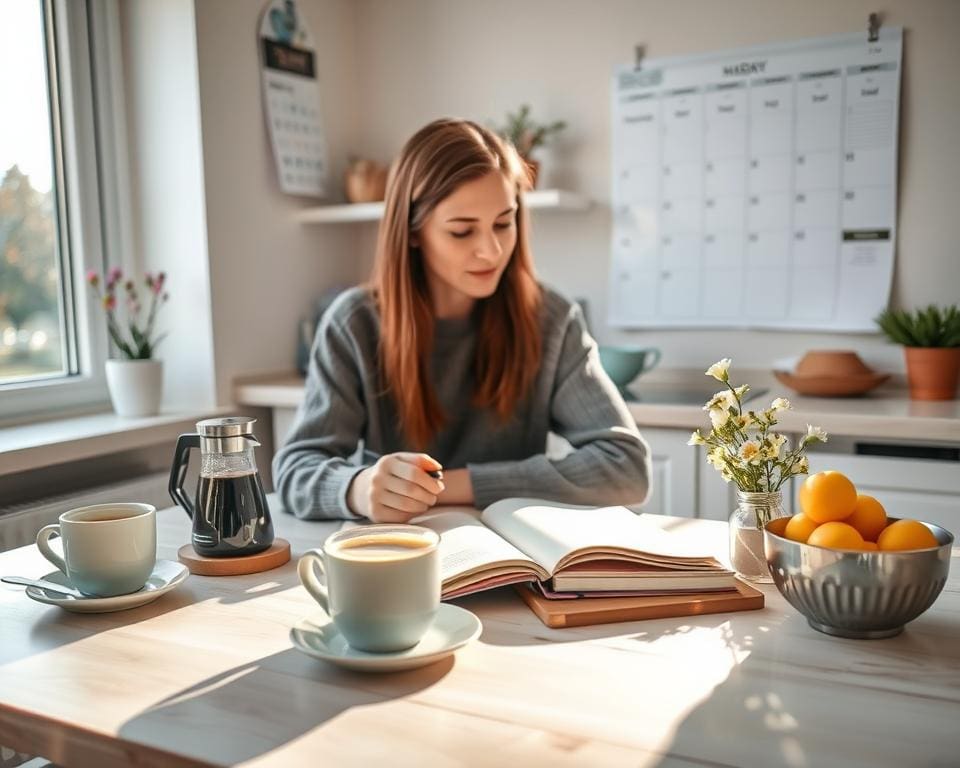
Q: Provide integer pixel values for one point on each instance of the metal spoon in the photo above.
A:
(47, 585)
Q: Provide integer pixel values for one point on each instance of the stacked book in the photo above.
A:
(577, 565)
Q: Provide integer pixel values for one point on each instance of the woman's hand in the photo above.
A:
(396, 488)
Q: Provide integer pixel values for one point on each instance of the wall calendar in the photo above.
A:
(291, 99)
(757, 187)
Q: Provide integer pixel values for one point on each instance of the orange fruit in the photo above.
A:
(799, 527)
(827, 496)
(870, 546)
(869, 517)
(836, 535)
(906, 534)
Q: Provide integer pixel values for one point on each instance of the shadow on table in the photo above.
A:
(513, 623)
(224, 589)
(252, 709)
(54, 627)
(801, 698)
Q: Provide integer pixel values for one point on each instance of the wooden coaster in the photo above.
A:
(277, 555)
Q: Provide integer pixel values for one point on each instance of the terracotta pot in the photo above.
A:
(365, 182)
(933, 372)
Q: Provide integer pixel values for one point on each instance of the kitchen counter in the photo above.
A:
(886, 413)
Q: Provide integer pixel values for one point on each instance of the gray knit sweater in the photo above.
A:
(346, 422)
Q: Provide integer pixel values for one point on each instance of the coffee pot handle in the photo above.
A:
(178, 471)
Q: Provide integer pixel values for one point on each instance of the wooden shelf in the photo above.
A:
(539, 199)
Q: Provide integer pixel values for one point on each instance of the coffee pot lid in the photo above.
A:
(226, 426)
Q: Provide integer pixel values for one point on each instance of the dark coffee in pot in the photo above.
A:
(231, 517)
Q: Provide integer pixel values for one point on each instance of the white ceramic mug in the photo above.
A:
(108, 549)
(382, 584)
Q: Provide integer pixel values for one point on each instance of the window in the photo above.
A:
(52, 343)
(33, 336)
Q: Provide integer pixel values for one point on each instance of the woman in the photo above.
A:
(454, 358)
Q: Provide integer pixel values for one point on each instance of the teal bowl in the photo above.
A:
(624, 364)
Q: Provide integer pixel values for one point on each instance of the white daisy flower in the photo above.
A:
(720, 370)
(750, 452)
(696, 438)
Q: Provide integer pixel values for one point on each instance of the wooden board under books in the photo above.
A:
(608, 610)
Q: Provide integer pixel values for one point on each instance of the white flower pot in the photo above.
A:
(135, 386)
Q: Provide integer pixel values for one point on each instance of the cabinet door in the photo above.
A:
(920, 489)
(717, 498)
(674, 478)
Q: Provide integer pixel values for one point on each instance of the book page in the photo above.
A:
(468, 547)
(548, 532)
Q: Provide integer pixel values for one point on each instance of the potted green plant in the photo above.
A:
(526, 135)
(135, 380)
(931, 344)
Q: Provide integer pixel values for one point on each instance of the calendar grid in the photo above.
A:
(739, 178)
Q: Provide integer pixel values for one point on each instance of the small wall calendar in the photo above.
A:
(757, 187)
(291, 98)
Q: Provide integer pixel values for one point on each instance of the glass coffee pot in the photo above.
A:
(230, 517)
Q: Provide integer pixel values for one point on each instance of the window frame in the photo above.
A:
(80, 171)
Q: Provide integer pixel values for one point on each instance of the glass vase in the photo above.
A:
(754, 510)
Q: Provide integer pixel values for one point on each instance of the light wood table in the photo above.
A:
(206, 675)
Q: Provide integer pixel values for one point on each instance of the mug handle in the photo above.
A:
(43, 544)
(307, 569)
(654, 353)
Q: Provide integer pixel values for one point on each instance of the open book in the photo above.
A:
(568, 549)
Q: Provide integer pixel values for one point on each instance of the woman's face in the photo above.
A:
(467, 241)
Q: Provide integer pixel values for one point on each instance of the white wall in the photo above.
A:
(206, 206)
(421, 59)
(245, 271)
(266, 269)
(168, 216)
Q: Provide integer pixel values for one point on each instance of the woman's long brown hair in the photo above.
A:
(435, 161)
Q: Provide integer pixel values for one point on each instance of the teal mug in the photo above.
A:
(108, 549)
(382, 584)
(624, 364)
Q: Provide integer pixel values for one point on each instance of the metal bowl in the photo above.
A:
(857, 594)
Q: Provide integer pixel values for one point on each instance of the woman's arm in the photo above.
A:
(610, 463)
(312, 472)
(315, 475)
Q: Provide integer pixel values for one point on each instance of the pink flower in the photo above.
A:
(109, 302)
(93, 278)
(113, 277)
(158, 283)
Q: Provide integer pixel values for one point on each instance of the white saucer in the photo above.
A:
(166, 575)
(453, 628)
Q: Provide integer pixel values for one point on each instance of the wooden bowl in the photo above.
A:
(831, 373)
(831, 386)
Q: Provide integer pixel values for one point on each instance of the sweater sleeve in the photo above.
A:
(610, 463)
(313, 470)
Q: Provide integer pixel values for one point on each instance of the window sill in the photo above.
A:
(42, 444)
